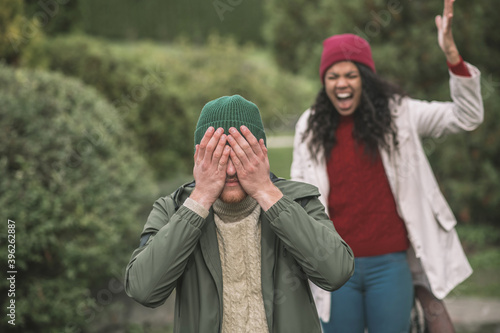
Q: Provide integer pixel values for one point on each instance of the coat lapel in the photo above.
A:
(210, 251)
(268, 258)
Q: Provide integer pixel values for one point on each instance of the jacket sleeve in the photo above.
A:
(309, 235)
(154, 268)
(465, 113)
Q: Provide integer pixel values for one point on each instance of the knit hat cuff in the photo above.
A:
(230, 111)
(344, 47)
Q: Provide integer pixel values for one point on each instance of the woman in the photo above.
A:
(360, 145)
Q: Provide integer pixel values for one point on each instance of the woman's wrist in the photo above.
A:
(453, 57)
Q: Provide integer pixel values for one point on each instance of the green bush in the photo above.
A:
(294, 31)
(160, 89)
(468, 165)
(76, 188)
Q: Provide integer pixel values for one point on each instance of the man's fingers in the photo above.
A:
(248, 144)
(206, 137)
(263, 147)
(213, 142)
(204, 141)
(222, 165)
(252, 140)
(196, 152)
(242, 142)
(236, 161)
(234, 140)
(219, 149)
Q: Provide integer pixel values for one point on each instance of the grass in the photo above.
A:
(280, 160)
(487, 328)
(482, 246)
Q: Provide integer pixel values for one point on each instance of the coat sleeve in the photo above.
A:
(464, 113)
(154, 268)
(309, 235)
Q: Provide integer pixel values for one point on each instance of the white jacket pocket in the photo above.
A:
(442, 212)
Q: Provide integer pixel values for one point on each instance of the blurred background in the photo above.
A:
(99, 99)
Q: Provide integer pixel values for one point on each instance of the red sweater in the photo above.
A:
(361, 203)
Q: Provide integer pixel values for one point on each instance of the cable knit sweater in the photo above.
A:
(238, 235)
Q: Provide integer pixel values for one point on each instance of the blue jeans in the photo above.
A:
(379, 296)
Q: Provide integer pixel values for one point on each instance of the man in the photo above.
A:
(238, 244)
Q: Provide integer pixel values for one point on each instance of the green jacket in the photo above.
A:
(299, 243)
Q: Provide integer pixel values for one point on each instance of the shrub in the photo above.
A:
(76, 187)
(159, 90)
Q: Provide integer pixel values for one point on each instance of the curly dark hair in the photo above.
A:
(372, 119)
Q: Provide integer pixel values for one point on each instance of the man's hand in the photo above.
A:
(251, 162)
(445, 35)
(210, 164)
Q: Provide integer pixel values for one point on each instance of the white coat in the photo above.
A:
(435, 249)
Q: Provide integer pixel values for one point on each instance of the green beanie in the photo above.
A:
(230, 111)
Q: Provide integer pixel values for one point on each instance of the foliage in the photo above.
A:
(481, 243)
(160, 90)
(468, 167)
(294, 31)
(55, 16)
(478, 238)
(75, 186)
(168, 19)
(15, 30)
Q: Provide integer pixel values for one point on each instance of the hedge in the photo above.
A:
(78, 192)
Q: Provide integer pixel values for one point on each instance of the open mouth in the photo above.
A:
(344, 96)
(345, 100)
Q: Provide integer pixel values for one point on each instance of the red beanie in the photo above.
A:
(345, 47)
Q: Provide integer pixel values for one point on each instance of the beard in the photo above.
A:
(232, 195)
